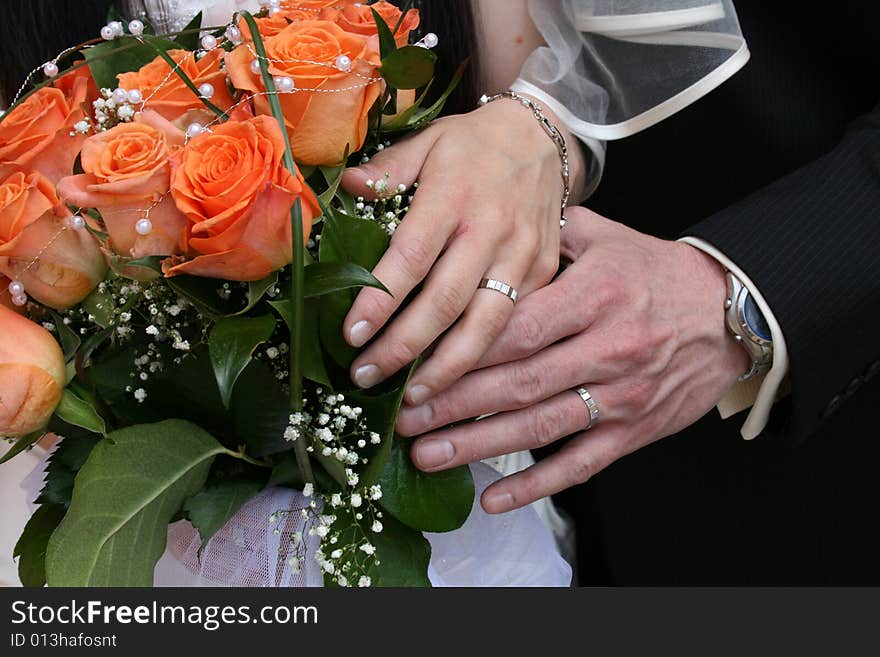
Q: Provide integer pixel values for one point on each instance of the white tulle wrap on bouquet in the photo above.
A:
(515, 549)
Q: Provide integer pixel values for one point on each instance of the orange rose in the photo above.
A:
(331, 107)
(36, 133)
(314, 6)
(232, 184)
(127, 170)
(59, 266)
(358, 19)
(32, 375)
(168, 95)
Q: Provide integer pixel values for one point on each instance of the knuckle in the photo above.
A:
(375, 307)
(582, 468)
(447, 302)
(545, 423)
(494, 322)
(415, 255)
(399, 353)
(527, 381)
(528, 331)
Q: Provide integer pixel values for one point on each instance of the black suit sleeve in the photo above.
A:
(811, 243)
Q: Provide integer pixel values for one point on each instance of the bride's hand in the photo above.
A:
(488, 206)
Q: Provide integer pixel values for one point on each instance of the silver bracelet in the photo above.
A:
(554, 134)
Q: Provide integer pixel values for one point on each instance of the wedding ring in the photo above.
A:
(499, 286)
(592, 406)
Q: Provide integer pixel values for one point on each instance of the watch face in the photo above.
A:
(755, 319)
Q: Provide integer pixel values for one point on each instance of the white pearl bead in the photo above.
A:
(144, 227)
(119, 96)
(284, 84)
(135, 97)
(117, 28)
(16, 288)
(108, 33)
(194, 130)
(255, 67)
(76, 222)
(209, 42)
(233, 34)
(430, 40)
(343, 63)
(265, 3)
(19, 299)
(136, 27)
(50, 69)
(274, 9)
(206, 90)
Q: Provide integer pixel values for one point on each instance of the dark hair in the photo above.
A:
(34, 31)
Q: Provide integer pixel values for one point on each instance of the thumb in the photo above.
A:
(402, 163)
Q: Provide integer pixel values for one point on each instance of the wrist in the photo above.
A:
(731, 357)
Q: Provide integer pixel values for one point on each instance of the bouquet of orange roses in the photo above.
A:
(176, 261)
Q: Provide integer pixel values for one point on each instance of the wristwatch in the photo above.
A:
(747, 324)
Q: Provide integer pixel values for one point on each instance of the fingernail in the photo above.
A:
(499, 503)
(360, 334)
(434, 453)
(366, 376)
(417, 394)
(416, 417)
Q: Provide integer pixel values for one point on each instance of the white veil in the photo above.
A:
(614, 67)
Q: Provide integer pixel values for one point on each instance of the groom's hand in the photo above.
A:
(637, 321)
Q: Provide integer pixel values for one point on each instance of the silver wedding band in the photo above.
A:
(499, 286)
(592, 407)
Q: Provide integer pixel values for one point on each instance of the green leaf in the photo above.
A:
(232, 343)
(80, 413)
(435, 502)
(31, 546)
(211, 508)
(352, 240)
(100, 306)
(424, 117)
(260, 411)
(313, 366)
(404, 555)
(387, 44)
(381, 416)
(401, 122)
(63, 464)
(70, 341)
(257, 290)
(324, 278)
(21, 445)
(333, 176)
(107, 60)
(191, 41)
(286, 473)
(132, 484)
(410, 67)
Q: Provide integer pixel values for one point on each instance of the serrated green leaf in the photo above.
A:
(63, 464)
(212, 507)
(31, 546)
(324, 278)
(80, 413)
(132, 484)
(232, 343)
(430, 502)
(409, 67)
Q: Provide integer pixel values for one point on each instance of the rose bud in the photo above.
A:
(32, 375)
(58, 264)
